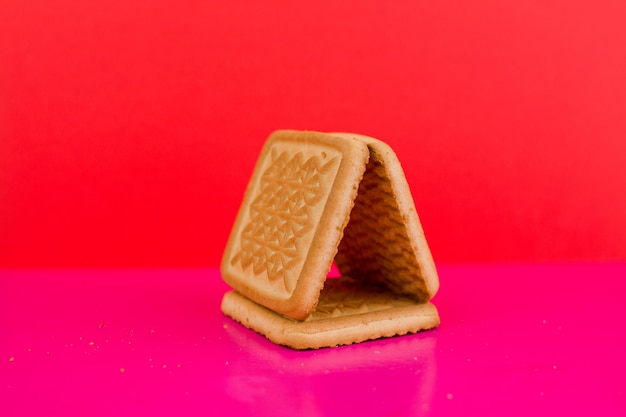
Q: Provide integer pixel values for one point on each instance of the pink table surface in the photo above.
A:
(514, 340)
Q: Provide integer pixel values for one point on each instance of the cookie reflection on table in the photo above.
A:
(399, 371)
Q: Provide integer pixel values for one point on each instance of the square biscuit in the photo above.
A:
(384, 241)
(347, 313)
(292, 218)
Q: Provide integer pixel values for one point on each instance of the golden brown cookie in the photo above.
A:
(313, 198)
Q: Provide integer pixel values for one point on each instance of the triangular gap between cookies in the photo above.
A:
(383, 242)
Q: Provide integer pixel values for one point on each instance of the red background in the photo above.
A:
(129, 129)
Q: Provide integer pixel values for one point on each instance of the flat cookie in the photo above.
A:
(347, 313)
(313, 198)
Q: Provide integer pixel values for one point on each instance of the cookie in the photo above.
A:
(347, 313)
(384, 242)
(293, 214)
(314, 198)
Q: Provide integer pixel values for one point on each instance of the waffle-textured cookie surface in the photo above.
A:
(398, 257)
(291, 220)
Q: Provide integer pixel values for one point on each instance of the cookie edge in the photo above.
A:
(331, 332)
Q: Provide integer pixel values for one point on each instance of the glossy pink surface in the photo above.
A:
(514, 340)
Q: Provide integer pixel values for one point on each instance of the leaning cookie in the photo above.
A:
(315, 198)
